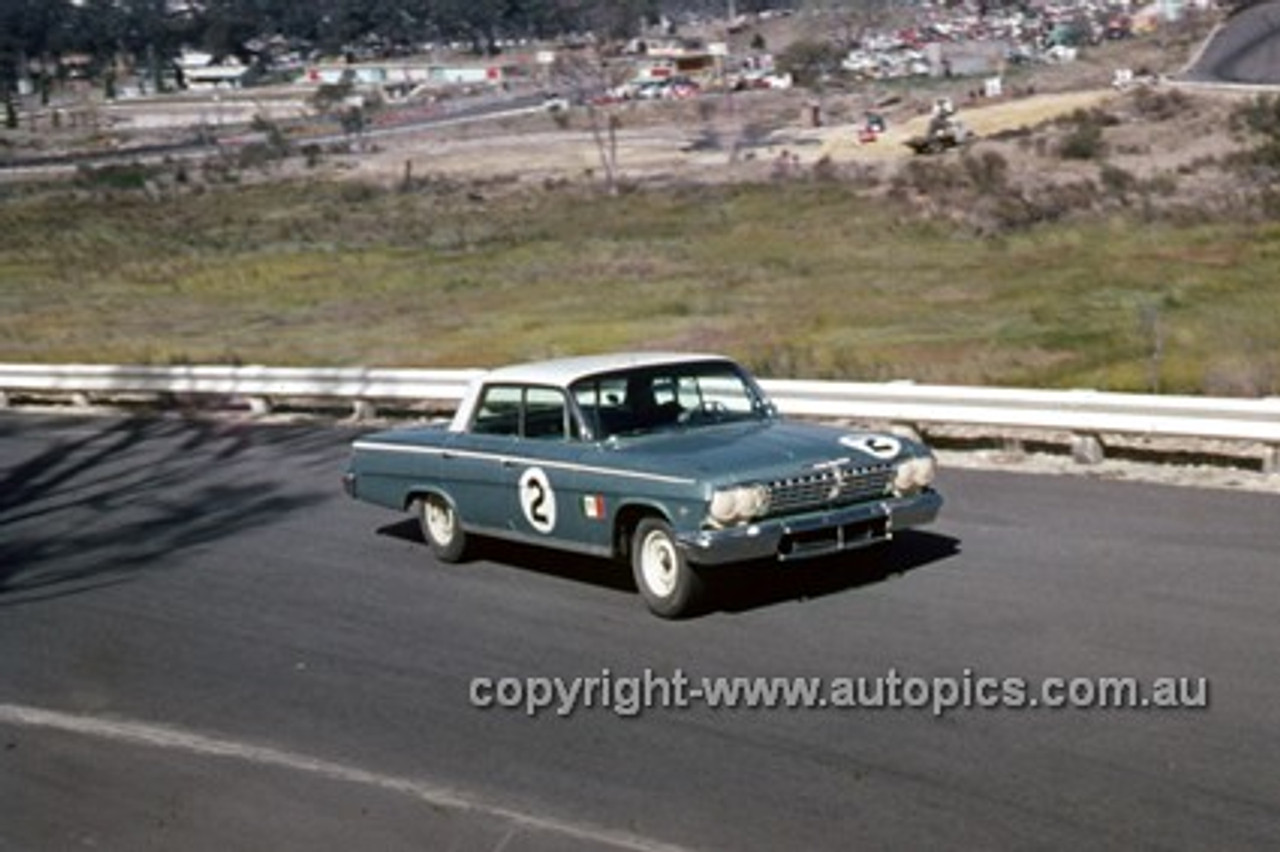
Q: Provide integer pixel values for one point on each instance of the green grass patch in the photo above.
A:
(806, 280)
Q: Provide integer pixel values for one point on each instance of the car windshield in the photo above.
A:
(677, 396)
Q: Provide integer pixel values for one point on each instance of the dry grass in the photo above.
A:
(812, 279)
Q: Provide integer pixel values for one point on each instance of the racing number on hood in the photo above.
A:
(880, 446)
(538, 500)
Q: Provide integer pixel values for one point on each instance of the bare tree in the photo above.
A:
(582, 78)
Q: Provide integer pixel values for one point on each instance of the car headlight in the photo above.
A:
(914, 475)
(740, 503)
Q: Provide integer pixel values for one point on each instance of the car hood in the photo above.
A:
(740, 452)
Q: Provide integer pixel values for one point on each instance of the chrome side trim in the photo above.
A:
(452, 452)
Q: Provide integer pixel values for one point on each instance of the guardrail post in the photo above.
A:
(4, 399)
(1271, 460)
(1087, 449)
(910, 431)
(259, 406)
(363, 409)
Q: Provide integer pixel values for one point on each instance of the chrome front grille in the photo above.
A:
(836, 486)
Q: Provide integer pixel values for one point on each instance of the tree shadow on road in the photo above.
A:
(88, 502)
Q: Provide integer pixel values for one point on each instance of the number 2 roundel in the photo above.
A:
(538, 500)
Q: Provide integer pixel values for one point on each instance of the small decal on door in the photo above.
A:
(593, 506)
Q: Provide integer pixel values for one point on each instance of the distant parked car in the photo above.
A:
(651, 90)
(554, 102)
(673, 462)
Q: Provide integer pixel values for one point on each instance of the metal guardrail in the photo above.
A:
(1085, 414)
(256, 386)
(1070, 410)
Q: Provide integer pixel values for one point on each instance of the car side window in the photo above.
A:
(601, 404)
(499, 411)
(545, 414)
(531, 412)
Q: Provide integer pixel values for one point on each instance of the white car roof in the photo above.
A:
(562, 372)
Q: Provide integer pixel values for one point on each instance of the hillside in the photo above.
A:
(1090, 237)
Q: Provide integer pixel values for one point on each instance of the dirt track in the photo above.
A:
(841, 144)
(673, 149)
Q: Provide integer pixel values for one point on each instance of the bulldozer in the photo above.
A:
(945, 131)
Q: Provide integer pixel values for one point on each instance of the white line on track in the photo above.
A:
(176, 739)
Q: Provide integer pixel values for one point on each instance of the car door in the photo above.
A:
(543, 474)
(517, 469)
(478, 466)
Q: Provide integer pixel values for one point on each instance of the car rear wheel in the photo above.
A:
(440, 527)
(670, 586)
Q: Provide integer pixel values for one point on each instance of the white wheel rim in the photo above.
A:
(439, 521)
(659, 564)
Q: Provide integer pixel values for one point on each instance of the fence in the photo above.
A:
(1085, 414)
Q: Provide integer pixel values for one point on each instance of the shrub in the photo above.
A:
(1259, 120)
(988, 171)
(1163, 184)
(126, 176)
(256, 155)
(1097, 117)
(1117, 181)
(825, 169)
(928, 177)
(809, 60)
(1156, 105)
(1083, 142)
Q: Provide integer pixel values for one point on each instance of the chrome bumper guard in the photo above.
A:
(812, 534)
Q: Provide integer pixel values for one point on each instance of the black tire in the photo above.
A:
(670, 586)
(441, 527)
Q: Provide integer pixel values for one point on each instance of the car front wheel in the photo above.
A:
(670, 586)
(441, 528)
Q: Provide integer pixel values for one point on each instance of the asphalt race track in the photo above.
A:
(207, 646)
(1245, 50)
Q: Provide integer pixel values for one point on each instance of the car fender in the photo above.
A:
(684, 515)
(422, 489)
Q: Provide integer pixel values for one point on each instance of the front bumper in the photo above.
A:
(812, 534)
